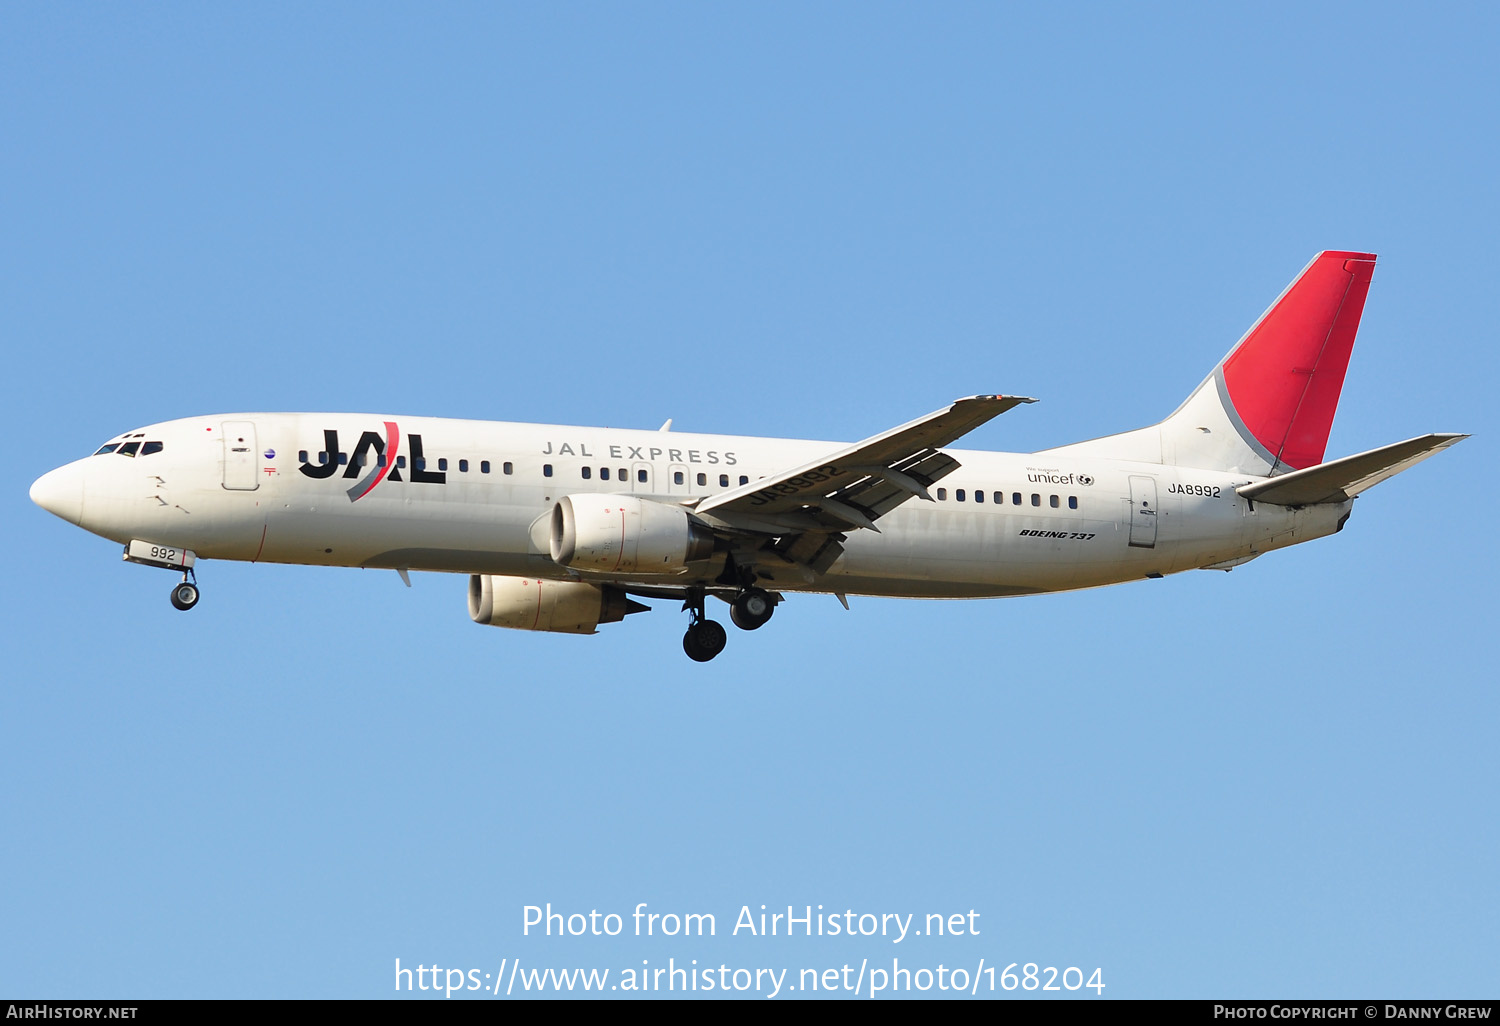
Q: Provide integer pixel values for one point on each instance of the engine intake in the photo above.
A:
(529, 604)
(625, 534)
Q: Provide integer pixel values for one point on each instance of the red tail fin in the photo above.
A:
(1285, 376)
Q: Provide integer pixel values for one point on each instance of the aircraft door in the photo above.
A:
(241, 460)
(1143, 512)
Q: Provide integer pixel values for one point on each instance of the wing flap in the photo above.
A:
(883, 489)
(874, 476)
(1343, 479)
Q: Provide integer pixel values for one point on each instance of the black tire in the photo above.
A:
(704, 640)
(185, 596)
(713, 636)
(694, 648)
(752, 610)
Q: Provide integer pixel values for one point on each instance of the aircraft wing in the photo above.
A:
(854, 487)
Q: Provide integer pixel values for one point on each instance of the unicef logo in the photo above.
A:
(1084, 479)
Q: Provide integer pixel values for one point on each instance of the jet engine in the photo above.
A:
(529, 604)
(624, 534)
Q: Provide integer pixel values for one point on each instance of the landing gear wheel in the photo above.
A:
(185, 595)
(751, 610)
(704, 640)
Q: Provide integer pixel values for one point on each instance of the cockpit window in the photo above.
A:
(111, 447)
(129, 448)
(151, 448)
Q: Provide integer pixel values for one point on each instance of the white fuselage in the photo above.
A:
(237, 487)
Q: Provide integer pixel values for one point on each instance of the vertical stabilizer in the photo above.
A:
(1268, 406)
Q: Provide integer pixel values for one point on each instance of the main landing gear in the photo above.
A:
(185, 594)
(704, 638)
(749, 610)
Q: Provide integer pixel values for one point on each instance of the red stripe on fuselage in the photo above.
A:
(392, 439)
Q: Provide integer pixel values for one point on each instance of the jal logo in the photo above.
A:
(376, 455)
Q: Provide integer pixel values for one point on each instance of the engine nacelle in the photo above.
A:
(624, 534)
(529, 604)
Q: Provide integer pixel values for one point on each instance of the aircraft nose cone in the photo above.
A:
(60, 492)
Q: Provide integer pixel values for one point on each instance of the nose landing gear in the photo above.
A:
(185, 594)
(168, 557)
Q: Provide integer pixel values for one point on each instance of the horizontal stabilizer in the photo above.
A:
(1340, 480)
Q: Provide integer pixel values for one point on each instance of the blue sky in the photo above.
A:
(810, 221)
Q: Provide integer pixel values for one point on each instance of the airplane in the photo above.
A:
(563, 528)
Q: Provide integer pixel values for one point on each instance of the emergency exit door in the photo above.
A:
(640, 479)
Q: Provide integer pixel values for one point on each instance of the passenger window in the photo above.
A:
(380, 460)
(400, 462)
(484, 466)
(129, 448)
(942, 495)
(959, 495)
(1054, 502)
(1072, 502)
(508, 468)
(1036, 500)
(587, 472)
(546, 470)
(677, 477)
(463, 466)
(1015, 498)
(604, 473)
(702, 479)
(443, 463)
(641, 476)
(343, 458)
(723, 480)
(978, 495)
(624, 474)
(112, 446)
(999, 498)
(151, 448)
(744, 479)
